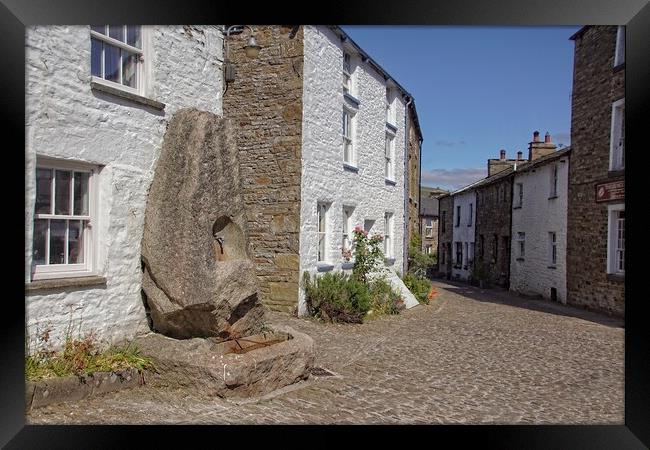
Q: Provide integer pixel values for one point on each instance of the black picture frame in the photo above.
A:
(15, 15)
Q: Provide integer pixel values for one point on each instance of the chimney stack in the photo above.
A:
(520, 155)
(537, 149)
(502, 155)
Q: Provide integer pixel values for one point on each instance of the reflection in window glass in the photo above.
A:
(96, 58)
(133, 35)
(62, 197)
(99, 28)
(129, 68)
(116, 32)
(57, 241)
(43, 191)
(112, 63)
(75, 242)
(81, 193)
(40, 237)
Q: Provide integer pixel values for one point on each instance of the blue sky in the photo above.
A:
(477, 90)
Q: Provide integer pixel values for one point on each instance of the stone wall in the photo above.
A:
(540, 214)
(265, 103)
(413, 178)
(445, 233)
(67, 120)
(596, 86)
(493, 216)
(433, 240)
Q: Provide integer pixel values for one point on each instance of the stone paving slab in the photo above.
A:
(473, 355)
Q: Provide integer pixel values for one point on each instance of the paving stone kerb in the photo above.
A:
(214, 370)
(471, 356)
(72, 388)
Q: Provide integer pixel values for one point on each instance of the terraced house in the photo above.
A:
(323, 134)
(324, 144)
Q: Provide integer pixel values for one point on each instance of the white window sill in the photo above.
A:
(103, 86)
(390, 182)
(64, 283)
(351, 167)
(355, 101)
(391, 127)
(324, 267)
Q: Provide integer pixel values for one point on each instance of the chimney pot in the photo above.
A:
(536, 136)
(502, 155)
(547, 138)
(520, 155)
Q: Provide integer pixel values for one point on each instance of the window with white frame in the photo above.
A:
(389, 152)
(347, 232)
(553, 187)
(388, 235)
(389, 106)
(348, 137)
(471, 213)
(616, 239)
(347, 73)
(619, 57)
(520, 195)
(521, 243)
(322, 231)
(458, 215)
(428, 228)
(117, 56)
(552, 248)
(64, 214)
(617, 144)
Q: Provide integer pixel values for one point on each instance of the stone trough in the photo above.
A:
(247, 367)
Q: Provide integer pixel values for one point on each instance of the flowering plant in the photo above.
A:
(368, 253)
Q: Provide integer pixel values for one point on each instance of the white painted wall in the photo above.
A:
(463, 233)
(538, 216)
(323, 175)
(65, 119)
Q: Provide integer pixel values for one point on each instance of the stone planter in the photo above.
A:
(251, 366)
(65, 389)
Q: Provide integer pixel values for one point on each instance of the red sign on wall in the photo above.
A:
(614, 190)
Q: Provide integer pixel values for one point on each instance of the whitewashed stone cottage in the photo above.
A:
(539, 222)
(464, 217)
(322, 138)
(98, 100)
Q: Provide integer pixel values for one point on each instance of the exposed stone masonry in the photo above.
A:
(596, 86)
(265, 103)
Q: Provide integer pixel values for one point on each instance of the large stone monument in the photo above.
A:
(198, 280)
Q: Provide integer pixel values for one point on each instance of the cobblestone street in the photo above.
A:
(471, 356)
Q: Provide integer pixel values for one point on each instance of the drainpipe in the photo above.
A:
(406, 184)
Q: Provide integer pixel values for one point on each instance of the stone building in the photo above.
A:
(324, 138)
(414, 173)
(98, 100)
(493, 220)
(464, 208)
(539, 218)
(596, 203)
(429, 223)
(445, 234)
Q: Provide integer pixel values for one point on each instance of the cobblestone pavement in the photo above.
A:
(471, 356)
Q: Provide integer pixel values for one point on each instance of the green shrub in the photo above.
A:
(368, 256)
(385, 300)
(419, 286)
(418, 261)
(336, 297)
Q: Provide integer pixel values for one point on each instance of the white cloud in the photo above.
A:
(452, 179)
